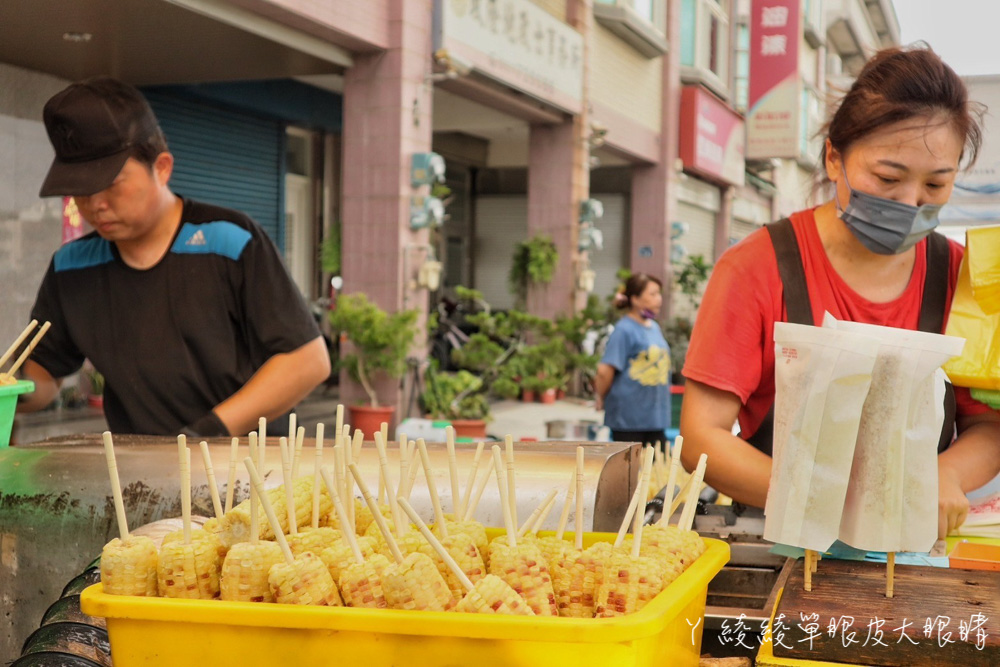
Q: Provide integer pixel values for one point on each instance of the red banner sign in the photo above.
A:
(711, 137)
(773, 115)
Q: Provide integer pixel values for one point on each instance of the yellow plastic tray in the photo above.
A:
(170, 632)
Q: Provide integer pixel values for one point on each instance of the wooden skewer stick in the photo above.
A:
(456, 496)
(272, 518)
(462, 577)
(28, 350)
(340, 421)
(384, 432)
(533, 517)
(807, 570)
(213, 486)
(300, 437)
(338, 465)
(432, 488)
(470, 511)
(292, 423)
(890, 573)
(379, 519)
(567, 504)
(359, 442)
(634, 502)
(675, 466)
(234, 459)
(647, 468)
(467, 496)
(186, 493)
(354, 455)
(338, 506)
(415, 464)
(578, 522)
(286, 470)
(386, 482)
(511, 484)
(317, 476)
(543, 516)
(404, 464)
(17, 342)
(254, 514)
(116, 487)
(261, 445)
(508, 520)
(691, 502)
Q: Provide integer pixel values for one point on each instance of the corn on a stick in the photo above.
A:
(511, 485)
(415, 463)
(579, 499)
(28, 350)
(488, 595)
(213, 487)
(473, 471)
(339, 421)
(573, 577)
(286, 471)
(470, 509)
(570, 495)
(413, 582)
(298, 580)
(675, 465)
(529, 523)
(642, 484)
(385, 482)
(318, 463)
(361, 581)
(17, 342)
(456, 496)
(544, 514)
(234, 452)
(384, 432)
(553, 547)
(432, 488)
(292, 423)
(128, 564)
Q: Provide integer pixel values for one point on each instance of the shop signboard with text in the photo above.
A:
(515, 43)
(711, 137)
(775, 86)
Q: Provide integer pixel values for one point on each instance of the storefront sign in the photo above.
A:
(712, 139)
(72, 222)
(516, 43)
(775, 85)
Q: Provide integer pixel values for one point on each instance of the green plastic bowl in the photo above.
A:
(8, 402)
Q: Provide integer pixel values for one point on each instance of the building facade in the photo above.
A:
(308, 116)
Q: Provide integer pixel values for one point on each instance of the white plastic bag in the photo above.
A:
(892, 500)
(821, 381)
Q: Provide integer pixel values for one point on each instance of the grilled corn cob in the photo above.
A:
(415, 583)
(312, 539)
(493, 595)
(305, 581)
(629, 583)
(363, 518)
(245, 570)
(553, 548)
(338, 555)
(525, 570)
(361, 583)
(189, 571)
(236, 523)
(128, 567)
(464, 551)
(198, 534)
(473, 529)
(575, 577)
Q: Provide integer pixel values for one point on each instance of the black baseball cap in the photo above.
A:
(92, 126)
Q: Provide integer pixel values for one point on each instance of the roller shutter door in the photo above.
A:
(700, 238)
(606, 262)
(501, 221)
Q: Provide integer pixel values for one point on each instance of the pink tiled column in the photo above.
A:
(558, 180)
(653, 198)
(387, 118)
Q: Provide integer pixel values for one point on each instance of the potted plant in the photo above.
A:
(458, 397)
(380, 344)
(96, 384)
(534, 262)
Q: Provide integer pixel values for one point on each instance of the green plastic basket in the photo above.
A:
(8, 403)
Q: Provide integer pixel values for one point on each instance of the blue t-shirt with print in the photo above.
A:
(639, 398)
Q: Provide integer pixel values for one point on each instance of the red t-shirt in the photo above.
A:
(732, 345)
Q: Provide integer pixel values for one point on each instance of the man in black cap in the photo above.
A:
(185, 308)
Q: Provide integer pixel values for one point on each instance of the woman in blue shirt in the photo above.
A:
(633, 377)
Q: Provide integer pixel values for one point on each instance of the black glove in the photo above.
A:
(208, 426)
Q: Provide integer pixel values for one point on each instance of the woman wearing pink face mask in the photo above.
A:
(633, 377)
(893, 150)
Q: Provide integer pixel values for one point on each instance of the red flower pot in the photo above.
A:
(369, 419)
(528, 395)
(548, 396)
(469, 428)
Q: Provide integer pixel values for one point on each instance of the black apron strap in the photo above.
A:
(793, 274)
(932, 309)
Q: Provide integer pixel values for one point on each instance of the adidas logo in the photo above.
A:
(198, 238)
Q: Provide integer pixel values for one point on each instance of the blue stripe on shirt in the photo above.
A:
(83, 254)
(218, 238)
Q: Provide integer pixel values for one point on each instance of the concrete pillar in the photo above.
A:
(654, 201)
(387, 118)
(558, 180)
(723, 220)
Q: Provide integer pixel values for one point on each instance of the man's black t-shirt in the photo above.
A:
(175, 340)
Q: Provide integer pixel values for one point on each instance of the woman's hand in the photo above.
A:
(953, 506)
